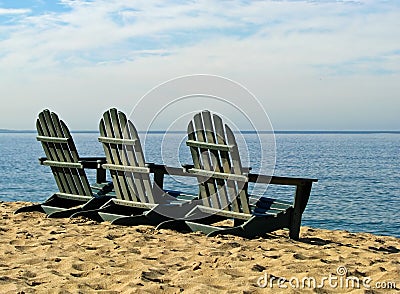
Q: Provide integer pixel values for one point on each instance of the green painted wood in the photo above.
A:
(125, 161)
(51, 139)
(73, 196)
(127, 168)
(263, 202)
(221, 171)
(125, 182)
(253, 216)
(49, 150)
(129, 183)
(66, 165)
(205, 162)
(72, 152)
(211, 146)
(62, 164)
(135, 204)
(301, 198)
(118, 141)
(216, 172)
(61, 150)
(204, 228)
(196, 162)
(135, 157)
(111, 152)
(225, 213)
(218, 175)
(276, 180)
(237, 169)
(62, 155)
(226, 164)
(263, 199)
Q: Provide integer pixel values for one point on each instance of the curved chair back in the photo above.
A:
(125, 159)
(217, 164)
(61, 154)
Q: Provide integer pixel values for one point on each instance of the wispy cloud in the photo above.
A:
(285, 42)
(98, 31)
(13, 11)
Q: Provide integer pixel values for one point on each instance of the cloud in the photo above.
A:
(103, 31)
(319, 53)
(13, 11)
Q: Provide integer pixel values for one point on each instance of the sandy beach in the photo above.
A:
(41, 255)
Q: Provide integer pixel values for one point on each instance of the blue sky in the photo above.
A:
(313, 65)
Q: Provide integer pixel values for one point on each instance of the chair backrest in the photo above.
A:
(125, 159)
(61, 154)
(217, 163)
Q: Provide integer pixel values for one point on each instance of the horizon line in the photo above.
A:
(4, 131)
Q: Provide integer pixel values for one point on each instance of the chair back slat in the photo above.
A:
(237, 169)
(209, 183)
(214, 150)
(125, 158)
(196, 162)
(226, 163)
(134, 157)
(216, 161)
(124, 181)
(61, 154)
(49, 151)
(113, 157)
(71, 155)
(110, 152)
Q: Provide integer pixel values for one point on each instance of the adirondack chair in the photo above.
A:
(138, 200)
(67, 167)
(224, 187)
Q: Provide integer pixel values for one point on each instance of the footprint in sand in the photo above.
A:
(300, 256)
(273, 256)
(153, 275)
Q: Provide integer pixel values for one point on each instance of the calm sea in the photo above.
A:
(359, 174)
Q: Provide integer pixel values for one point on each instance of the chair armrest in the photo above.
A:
(303, 191)
(92, 162)
(159, 172)
(153, 166)
(186, 168)
(246, 170)
(276, 180)
(42, 159)
(87, 162)
(102, 159)
(95, 163)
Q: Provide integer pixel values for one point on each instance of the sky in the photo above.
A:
(312, 65)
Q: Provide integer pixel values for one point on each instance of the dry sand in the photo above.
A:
(41, 255)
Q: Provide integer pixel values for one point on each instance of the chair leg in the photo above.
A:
(95, 206)
(149, 217)
(177, 225)
(64, 213)
(90, 214)
(96, 202)
(92, 204)
(30, 208)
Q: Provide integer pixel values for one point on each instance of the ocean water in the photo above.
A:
(358, 175)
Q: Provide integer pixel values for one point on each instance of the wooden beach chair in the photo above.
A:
(137, 199)
(68, 169)
(223, 187)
